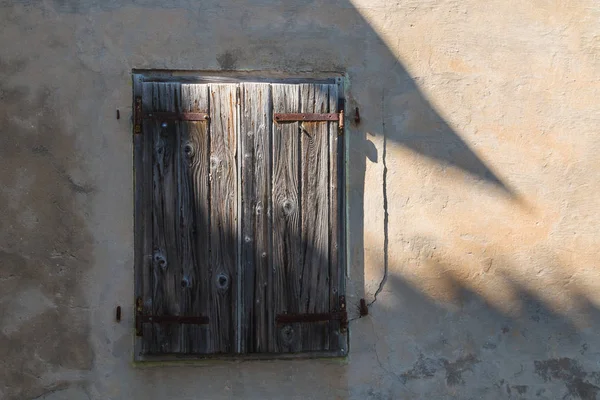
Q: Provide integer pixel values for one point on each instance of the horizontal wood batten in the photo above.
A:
(175, 319)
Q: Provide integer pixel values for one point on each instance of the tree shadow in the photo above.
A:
(412, 121)
(336, 38)
(310, 36)
(463, 341)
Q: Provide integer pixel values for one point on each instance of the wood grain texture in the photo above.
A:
(335, 211)
(314, 286)
(287, 256)
(256, 276)
(194, 224)
(223, 216)
(142, 228)
(242, 237)
(237, 77)
(166, 214)
(148, 132)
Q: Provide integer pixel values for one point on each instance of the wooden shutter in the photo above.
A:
(237, 220)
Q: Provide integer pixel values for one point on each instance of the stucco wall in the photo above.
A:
(472, 178)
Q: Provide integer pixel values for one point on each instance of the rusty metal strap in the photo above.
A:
(294, 117)
(177, 116)
(341, 316)
(141, 319)
(298, 318)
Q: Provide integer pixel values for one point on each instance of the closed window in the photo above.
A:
(238, 217)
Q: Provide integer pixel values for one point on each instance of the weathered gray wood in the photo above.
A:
(256, 273)
(336, 275)
(193, 200)
(314, 290)
(287, 256)
(236, 77)
(289, 230)
(166, 215)
(142, 233)
(341, 215)
(237, 357)
(223, 216)
(148, 132)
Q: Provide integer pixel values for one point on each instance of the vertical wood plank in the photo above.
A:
(335, 211)
(193, 200)
(148, 132)
(314, 160)
(342, 217)
(142, 214)
(255, 133)
(166, 262)
(223, 216)
(287, 257)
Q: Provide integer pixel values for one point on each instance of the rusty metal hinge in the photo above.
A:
(141, 319)
(295, 117)
(341, 316)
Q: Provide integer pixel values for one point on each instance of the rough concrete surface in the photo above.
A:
(472, 179)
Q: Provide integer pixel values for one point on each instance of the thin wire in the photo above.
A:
(385, 205)
(385, 212)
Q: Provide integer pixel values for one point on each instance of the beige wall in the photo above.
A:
(478, 140)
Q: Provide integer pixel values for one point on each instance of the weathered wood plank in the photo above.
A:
(238, 77)
(148, 131)
(166, 216)
(193, 200)
(223, 216)
(335, 273)
(142, 214)
(255, 134)
(289, 227)
(287, 257)
(314, 290)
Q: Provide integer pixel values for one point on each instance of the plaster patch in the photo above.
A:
(571, 373)
(22, 308)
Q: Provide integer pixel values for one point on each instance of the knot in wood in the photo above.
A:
(288, 207)
(185, 282)
(214, 162)
(222, 281)
(188, 149)
(287, 334)
(160, 261)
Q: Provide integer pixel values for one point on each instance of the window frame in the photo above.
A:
(140, 77)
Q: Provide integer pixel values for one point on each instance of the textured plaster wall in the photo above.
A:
(472, 179)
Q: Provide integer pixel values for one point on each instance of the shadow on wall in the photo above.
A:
(45, 248)
(486, 335)
(468, 345)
